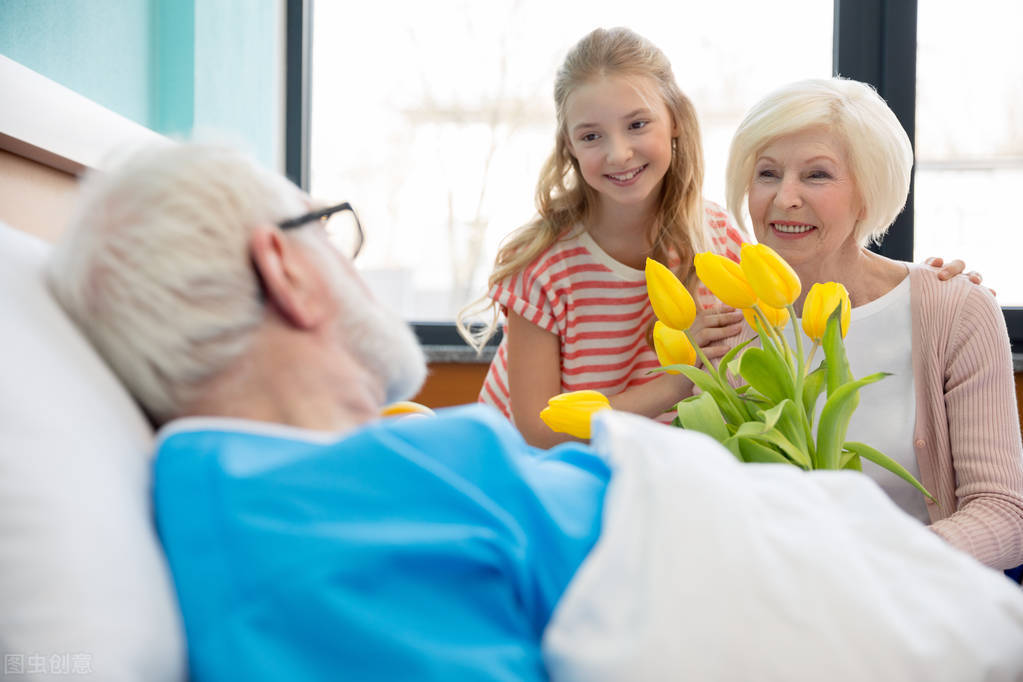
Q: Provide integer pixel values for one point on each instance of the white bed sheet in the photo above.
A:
(708, 569)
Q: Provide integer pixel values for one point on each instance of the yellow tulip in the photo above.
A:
(776, 317)
(405, 407)
(571, 412)
(724, 278)
(672, 346)
(773, 280)
(671, 301)
(821, 301)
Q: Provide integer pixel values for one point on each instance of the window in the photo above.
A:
(434, 118)
(969, 139)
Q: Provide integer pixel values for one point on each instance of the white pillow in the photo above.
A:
(84, 586)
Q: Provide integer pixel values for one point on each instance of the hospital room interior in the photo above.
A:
(511, 340)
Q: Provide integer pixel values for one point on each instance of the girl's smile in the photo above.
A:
(628, 177)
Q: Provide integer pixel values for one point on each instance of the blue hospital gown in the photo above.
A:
(410, 549)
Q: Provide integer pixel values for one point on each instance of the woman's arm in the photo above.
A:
(984, 437)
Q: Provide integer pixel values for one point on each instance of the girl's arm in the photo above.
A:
(534, 376)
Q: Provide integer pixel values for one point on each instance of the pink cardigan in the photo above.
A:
(967, 433)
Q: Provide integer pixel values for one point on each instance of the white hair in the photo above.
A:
(879, 151)
(155, 268)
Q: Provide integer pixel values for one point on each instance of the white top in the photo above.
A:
(880, 340)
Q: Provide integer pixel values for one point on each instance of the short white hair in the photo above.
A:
(155, 266)
(879, 151)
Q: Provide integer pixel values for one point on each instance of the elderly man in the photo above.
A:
(307, 539)
(310, 540)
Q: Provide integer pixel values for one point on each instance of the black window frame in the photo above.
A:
(874, 41)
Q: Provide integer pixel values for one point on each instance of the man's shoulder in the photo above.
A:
(457, 437)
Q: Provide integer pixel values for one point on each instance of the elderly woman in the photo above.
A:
(825, 167)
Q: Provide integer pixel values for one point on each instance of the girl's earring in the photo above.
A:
(674, 144)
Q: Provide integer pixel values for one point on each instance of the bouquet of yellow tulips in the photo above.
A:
(770, 415)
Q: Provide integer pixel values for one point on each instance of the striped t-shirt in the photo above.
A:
(599, 309)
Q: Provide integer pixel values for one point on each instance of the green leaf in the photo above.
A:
(703, 380)
(752, 451)
(883, 460)
(836, 361)
(768, 375)
(850, 460)
(701, 413)
(725, 365)
(813, 386)
(771, 416)
(733, 446)
(791, 425)
(732, 366)
(724, 395)
(834, 420)
(794, 453)
(767, 435)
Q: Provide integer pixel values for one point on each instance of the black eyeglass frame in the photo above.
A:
(324, 214)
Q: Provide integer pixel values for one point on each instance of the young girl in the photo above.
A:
(623, 183)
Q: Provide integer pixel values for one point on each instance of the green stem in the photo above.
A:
(725, 388)
(771, 331)
(809, 358)
(801, 370)
(796, 332)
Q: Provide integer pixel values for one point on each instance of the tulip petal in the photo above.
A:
(820, 302)
(772, 279)
(724, 278)
(672, 346)
(671, 301)
(572, 412)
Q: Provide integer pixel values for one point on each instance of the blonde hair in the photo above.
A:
(563, 199)
(879, 151)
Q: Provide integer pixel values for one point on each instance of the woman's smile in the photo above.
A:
(791, 230)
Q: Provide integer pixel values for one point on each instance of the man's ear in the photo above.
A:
(292, 282)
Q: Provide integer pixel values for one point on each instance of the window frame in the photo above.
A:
(874, 42)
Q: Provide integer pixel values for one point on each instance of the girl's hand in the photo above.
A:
(953, 268)
(714, 327)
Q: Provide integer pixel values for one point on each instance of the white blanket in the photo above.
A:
(708, 569)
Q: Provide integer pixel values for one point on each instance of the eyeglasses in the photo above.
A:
(341, 224)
